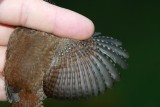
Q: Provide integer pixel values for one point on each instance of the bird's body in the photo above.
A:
(40, 65)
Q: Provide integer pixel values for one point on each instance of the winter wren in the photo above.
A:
(40, 65)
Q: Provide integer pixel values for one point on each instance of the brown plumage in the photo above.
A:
(40, 65)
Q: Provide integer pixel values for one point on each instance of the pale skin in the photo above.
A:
(40, 15)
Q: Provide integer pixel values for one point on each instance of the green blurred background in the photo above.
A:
(137, 24)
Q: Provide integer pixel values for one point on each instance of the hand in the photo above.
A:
(40, 15)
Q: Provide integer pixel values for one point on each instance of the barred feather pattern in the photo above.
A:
(80, 69)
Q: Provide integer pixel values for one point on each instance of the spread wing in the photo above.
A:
(84, 68)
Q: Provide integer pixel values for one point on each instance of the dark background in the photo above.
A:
(137, 24)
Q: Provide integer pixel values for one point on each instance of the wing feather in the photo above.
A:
(108, 40)
(104, 72)
(93, 79)
(81, 69)
(95, 70)
(114, 48)
(111, 68)
(115, 57)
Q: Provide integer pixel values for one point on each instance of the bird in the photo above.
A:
(41, 65)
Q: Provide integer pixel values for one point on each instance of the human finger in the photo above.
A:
(43, 16)
(2, 62)
(5, 32)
